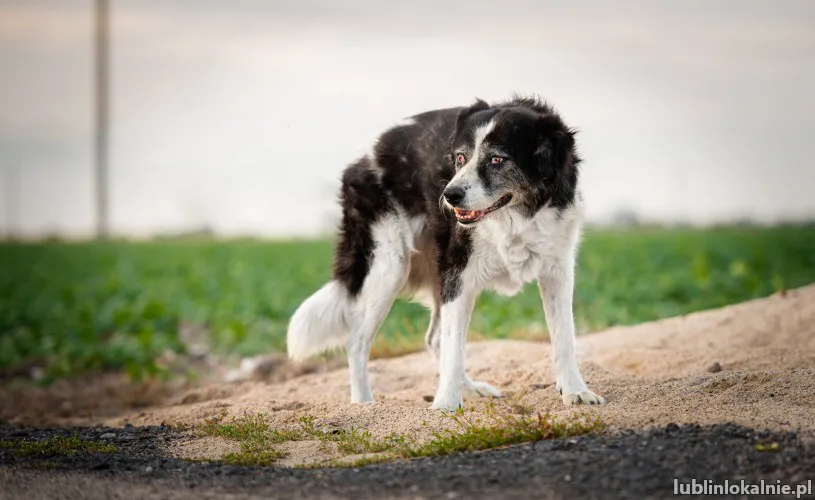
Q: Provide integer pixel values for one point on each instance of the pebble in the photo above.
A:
(127, 437)
(108, 435)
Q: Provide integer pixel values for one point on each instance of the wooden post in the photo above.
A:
(101, 78)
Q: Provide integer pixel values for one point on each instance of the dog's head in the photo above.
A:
(518, 155)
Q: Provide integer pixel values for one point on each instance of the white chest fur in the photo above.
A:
(510, 250)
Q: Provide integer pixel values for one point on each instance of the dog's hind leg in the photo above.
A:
(390, 265)
(433, 336)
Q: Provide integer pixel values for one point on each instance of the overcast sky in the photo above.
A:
(241, 115)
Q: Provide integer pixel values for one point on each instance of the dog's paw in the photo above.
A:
(447, 407)
(362, 396)
(582, 397)
(364, 402)
(573, 389)
(482, 389)
(447, 402)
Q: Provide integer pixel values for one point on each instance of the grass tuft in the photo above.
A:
(471, 431)
(59, 445)
(359, 462)
(483, 431)
(254, 435)
(252, 456)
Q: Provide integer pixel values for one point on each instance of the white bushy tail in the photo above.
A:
(320, 323)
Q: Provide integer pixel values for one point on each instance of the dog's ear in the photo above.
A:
(556, 145)
(478, 105)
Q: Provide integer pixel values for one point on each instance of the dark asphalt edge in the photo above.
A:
(629, 464)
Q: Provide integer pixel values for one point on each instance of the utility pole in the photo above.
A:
(101, 78)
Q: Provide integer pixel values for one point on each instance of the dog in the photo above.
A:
(447, 204)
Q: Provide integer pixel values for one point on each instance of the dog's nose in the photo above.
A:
(454, 195)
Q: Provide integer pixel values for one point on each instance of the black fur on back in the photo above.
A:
(411, 165)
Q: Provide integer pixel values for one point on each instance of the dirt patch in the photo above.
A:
(651, 374)
(85, 399)
(202, 447)
(304, 453)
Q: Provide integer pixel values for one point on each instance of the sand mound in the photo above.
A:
(751, 363)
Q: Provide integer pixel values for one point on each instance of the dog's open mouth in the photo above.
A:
(472, 216)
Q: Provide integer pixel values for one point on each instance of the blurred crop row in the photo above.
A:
(69, 308)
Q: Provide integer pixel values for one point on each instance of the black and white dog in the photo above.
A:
(448, 204)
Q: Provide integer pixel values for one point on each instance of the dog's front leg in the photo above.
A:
(557, 289)
(455, 319)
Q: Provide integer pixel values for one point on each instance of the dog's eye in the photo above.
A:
(460, 160)
(496, 160)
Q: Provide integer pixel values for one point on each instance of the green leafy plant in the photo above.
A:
(73, 307)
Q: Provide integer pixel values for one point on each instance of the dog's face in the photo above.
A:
(505, 159)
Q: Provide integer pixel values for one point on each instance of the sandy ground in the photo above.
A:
(751, 364)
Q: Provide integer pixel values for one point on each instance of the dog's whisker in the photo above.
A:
(441, 206)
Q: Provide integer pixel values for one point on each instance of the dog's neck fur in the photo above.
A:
(513, 249)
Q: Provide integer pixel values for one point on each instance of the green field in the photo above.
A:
(90, 306)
